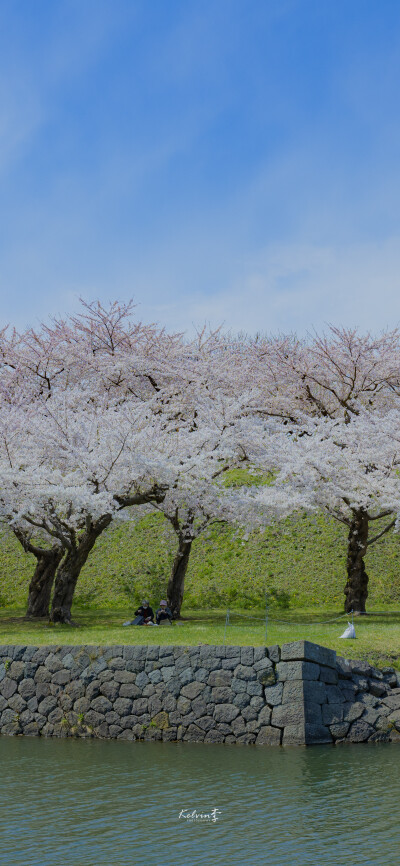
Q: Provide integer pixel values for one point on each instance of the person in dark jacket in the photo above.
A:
(163, 613)
(144, 615)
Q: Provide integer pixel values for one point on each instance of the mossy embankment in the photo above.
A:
(301, 562)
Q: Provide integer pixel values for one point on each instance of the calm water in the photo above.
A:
(91, 803)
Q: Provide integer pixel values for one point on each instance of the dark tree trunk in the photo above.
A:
(176, 581)
(69, 570)
(356, 589)
(42, 581)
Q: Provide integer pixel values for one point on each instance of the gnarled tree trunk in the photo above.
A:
(176, 583)
(42, 581)
(356, 589)
(70, 568)
(47, 562)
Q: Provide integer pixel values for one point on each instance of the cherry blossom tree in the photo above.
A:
(351, 471)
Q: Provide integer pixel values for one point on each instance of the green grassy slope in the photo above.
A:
(303, 557)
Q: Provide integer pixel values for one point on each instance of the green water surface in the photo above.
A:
(93, 802)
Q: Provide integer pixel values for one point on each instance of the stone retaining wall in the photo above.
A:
(297, 694)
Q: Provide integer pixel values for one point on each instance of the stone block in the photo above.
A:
(362, 668)
(161, 720)
(241, 700)
(224, 728)
(253, 727)
(128, 735)
(288, 714)
(27, 689)
(257, 702)
(254, 688)
(225, 713)
(306, 734)
(238, 686)
(124, 677)
(267, 677)
(394, 718)
(273, 694)
(360, 682)
(268, 736)
(307, 691)
(274, 653)
(238, 726)
(297, 670)
(339, 730)
(16, 671)
(247, 655)
(192, 690)
(99, 705)
(263, 664)
(368, 700)
(169, 734)
(220, 651)
(353, 711)
(187, 675)
(47, 705)
(379, 737)
(230, 664)
(334, 694)
(332, 714)
(132, 653)
(122, 706)
(264, 715)
(221, 695)
(155, 676)
(360, 731)
(129, 690)
(53, 663)
(17, 703)
(183, 705)
(148, 691)
(207, 722)
(199, 707)
(139, 706)
(371, 716)
(244, 672)
(61, 678)
(296, 713)
(249, 713)
(392, 701)
(152, 653)
(246, 739)
(328, 675)
(42, 675)
(214, 736)
(304, 650)
(201, 675)
(220, 678)
(343, 668)
(173, 686)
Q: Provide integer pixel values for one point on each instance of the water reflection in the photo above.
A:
(91, 803)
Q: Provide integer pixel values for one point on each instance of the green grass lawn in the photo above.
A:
(302, 560)
(378, 635)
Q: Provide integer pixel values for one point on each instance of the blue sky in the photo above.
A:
(230, 161)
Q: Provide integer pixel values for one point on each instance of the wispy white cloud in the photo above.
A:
(293, 287)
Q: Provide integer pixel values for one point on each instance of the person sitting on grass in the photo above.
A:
(163, 614)
(144, 615)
